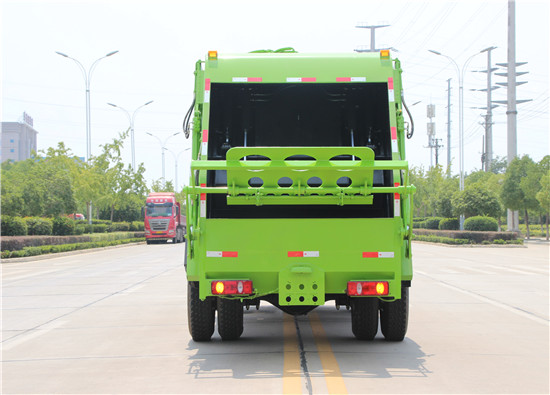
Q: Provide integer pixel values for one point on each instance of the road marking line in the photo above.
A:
(24, 337)
(512, 309)
(333, 376)
(292, 372)
(510, 270)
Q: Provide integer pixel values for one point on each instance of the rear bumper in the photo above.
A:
(300, 260)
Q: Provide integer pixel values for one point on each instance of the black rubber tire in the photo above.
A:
(200, 314)
(148, 241)
(394, 317)
(364, 318)
(230, 318)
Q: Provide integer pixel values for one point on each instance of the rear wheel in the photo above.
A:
(394, 317)
(364, 318)
(230, 318)
(200, 314)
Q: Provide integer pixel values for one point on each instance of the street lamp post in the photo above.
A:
(131, 119)
(87, 78)
(163, 148)
(87, 74)
(460, 73)
(176, 158)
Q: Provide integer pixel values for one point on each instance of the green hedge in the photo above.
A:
(19, 242)
(472, 236)
(449, 224)
(440, 239)
(47, 249)
(480, 224)
(63, 226)
(428, 223)
(13, 226)
(38, 226)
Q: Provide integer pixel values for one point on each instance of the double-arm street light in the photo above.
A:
(176, 158)
(460, 72)
(131, 119)
(162, 149)
(87, 74)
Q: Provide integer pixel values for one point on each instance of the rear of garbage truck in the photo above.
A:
(299, 191)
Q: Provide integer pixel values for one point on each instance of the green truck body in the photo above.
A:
(299, 190)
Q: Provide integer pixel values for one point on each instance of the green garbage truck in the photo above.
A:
(299, 191)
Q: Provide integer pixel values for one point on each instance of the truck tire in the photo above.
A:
(200, 314)
(230, 318)
(394, 317)
(364, 318)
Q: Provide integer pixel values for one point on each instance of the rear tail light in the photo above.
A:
(368, 288)
(232, 287)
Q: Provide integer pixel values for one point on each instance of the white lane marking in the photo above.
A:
(10, 279)
(33, 333)
(510, 270)
(515, 310)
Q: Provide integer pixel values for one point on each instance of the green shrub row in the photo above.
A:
(19, 242)
(449, 224)
(428, 223)
(472, 236)
(440, 239)
(478, 223)
(47, 249)
(449, 240)
(62, 226)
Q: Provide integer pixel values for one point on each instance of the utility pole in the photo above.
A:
(449, 126)
(488, 158)
(372, 37)
(511, 102)
(430, 110)
(437, 146)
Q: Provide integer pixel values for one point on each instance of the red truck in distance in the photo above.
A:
(163, 218)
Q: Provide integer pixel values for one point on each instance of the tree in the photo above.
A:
(476, 199)
(120, 185)
(498, 165)
(520, 186)
(160, 186)
(543, 196)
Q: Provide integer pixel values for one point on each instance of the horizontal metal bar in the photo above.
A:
(265, 164)
(304, 191)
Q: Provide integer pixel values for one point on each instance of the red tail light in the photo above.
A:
(232, 287)
(368, 288)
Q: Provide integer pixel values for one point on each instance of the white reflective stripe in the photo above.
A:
(397, 208)
(311, 254)
(204, 150)
(240, 79)
(294, 79)
(391, 95)
(386, 254)
(203, 208)
(207, 96)
(394, 146)
(214, 254)
(358, 79)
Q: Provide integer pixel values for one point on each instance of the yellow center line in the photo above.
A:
(292, 371)
(333, 376)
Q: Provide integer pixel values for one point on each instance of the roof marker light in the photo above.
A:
(384, 53)
(212, 55)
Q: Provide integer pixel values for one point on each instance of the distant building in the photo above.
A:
(18, 139)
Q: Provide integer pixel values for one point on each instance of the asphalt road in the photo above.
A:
(115, 321)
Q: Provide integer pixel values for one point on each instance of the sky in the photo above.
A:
(159, 42)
